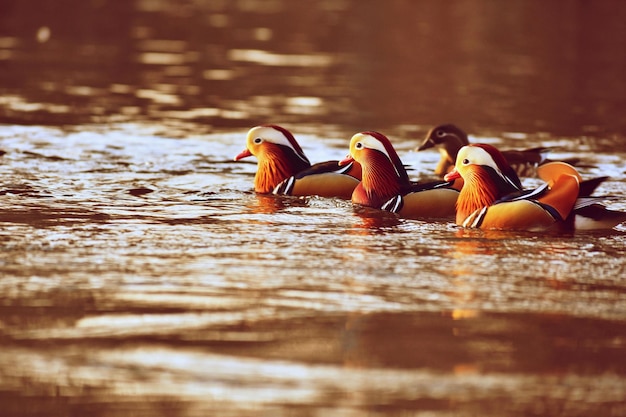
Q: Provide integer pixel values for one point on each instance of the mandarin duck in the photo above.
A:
(284, 169)
(492, 196)
(449, 139)
(385, 183)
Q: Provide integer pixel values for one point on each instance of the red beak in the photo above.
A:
(452, 175)
(346, 160)
(244, 154)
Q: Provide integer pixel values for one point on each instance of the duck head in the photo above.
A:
(487, 178)
(278, 153)
(448, 139)
(383, 174)
(442, 135)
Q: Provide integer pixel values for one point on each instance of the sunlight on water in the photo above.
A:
(266, 58)
(161, 58)
(141, 275)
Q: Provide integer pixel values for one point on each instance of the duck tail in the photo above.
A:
(564, 182)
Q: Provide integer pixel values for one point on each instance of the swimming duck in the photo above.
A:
(449, 138)
(492, 196)
(284, 169)
(385, 183)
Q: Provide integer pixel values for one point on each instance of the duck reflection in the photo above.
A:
(436, 341)
(463, 342)
(370, 220)
(272, 204)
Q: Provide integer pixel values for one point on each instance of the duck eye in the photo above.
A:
(465, 161)
(358, 145)
(258, 140)
(440, 133)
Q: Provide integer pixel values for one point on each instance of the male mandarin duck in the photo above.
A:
(385, 183)
(284, 169)
(449, 139)
(492, 196)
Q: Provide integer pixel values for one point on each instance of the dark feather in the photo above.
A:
(319, 168)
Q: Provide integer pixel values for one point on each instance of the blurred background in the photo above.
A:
(489, 66)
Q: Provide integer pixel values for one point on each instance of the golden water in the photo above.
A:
(140, 275)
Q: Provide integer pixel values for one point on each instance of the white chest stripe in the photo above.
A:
(475, 219)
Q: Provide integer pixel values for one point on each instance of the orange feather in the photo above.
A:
(478, 191)
(274, 166)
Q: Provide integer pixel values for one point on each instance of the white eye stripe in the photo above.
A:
(262, 133)
(259, 134)
(370, 142)
(478, 156)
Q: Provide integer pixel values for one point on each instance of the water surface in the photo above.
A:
(140, 275)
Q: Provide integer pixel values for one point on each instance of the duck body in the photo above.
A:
(385, 183)
(545, 209)
(449, 139)
(326, 179)
(437, 202)
(284, 169)
(492, 197)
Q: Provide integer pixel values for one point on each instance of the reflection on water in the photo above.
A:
(140, 275)
(202, 297)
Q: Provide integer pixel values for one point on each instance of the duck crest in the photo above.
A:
(501, 163)
(394, 159)
(292, 140)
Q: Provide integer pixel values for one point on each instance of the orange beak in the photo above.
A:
(243, 154)
(452, 175)
(346, 160)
